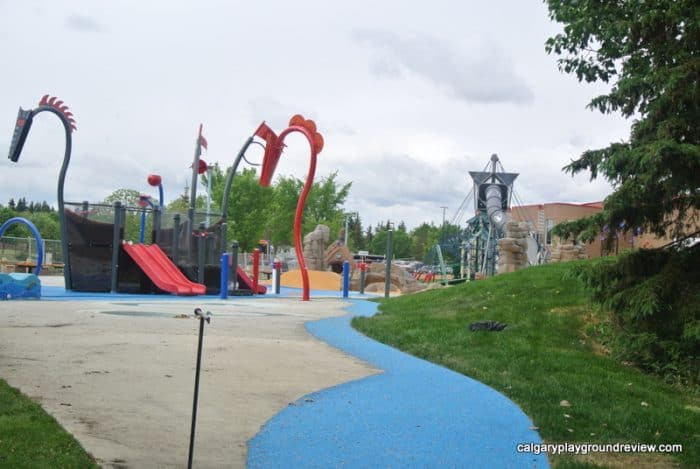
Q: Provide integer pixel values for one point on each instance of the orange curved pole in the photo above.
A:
(273, 151)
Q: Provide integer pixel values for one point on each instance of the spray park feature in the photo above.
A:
(27, 285)
(184, 258)
(185, 251)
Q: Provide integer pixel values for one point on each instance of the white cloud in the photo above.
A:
(84, 24)
(482, 72)
(409, 96)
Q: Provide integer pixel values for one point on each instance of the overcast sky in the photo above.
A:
(409, 96)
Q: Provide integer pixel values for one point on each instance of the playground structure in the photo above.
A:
(185, 253)
(22, 285)
(490, 243)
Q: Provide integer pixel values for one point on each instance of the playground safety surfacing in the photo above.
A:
(117, 371)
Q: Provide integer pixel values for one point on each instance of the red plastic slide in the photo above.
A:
(154, 263)
(243, 279)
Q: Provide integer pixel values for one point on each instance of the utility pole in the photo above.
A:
(442, 237)
(347, 224)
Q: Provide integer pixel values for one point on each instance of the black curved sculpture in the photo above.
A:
(22, 126)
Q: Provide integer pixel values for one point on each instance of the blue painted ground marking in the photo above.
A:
(415, 414)
(55, 293)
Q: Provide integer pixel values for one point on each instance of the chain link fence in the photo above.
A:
(20, 255)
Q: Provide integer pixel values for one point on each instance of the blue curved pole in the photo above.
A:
(143, 214)
(160, 197)
(143, 225)
(37, 237)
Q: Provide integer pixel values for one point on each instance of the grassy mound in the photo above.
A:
(547, 354)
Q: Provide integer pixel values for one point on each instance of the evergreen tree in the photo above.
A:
(650, 52)
(369, 237)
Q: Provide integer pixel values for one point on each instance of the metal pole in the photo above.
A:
(142, 228)
(190, 238)
(176, 238)
(256, 270)
(389, 255)
(234, 264)
(223, 292)
(222, 236)
(200, 253)
(161, 202)
(229, 178)
(442, 234)
(208, 195)
(363, 273)
(278, 272)
(116, 238)
(346, 278)
(195, 174)
(347, 224)
(202, 317)
(155, 235)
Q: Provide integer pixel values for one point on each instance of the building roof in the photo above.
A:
(598, 205)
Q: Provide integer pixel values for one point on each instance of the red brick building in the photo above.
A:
(543, 217)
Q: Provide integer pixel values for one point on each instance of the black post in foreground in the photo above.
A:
(202, 317)
(389, 257)
(234, 265)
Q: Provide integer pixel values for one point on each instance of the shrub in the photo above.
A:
(653, 298)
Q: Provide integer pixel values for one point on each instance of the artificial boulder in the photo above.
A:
(401, 280)
(568, 252)
(512, 249)
(315, 246)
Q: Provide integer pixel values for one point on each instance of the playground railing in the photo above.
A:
(21, 253)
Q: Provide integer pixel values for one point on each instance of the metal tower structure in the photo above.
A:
(492, 194)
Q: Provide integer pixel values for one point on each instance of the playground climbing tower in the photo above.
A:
(492, 193)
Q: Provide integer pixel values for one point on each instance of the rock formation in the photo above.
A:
(401, 280)
(336, 254)
(314, 247)
(512, 249)
(568, 252)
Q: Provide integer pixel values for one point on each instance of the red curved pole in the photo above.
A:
(299, 214)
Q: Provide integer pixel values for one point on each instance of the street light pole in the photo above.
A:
(442, 237)
(347, 225)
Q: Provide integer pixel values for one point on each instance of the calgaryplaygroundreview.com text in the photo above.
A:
(586, 448)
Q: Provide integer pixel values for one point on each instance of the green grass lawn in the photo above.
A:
(30, 438)
(545, 355)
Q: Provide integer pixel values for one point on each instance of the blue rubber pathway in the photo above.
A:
(415, 414)
(55, 293)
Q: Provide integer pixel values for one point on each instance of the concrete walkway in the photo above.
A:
(117, 371)
(119, 375)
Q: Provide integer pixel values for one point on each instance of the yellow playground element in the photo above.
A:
(318, 280)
